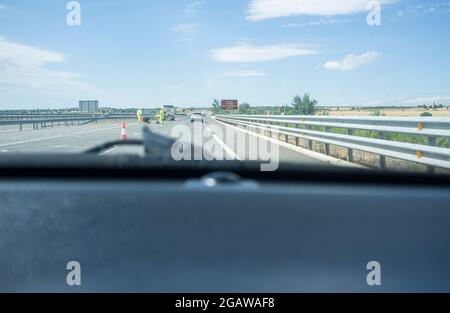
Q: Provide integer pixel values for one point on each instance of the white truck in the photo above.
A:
(170, 112)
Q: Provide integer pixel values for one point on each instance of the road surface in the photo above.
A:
(76, 139)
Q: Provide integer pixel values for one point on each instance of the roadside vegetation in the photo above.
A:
(304, 105)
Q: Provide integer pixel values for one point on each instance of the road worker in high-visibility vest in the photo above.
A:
(140, 116)
(161, 116)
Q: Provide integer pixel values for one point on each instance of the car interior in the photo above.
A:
(134, 227)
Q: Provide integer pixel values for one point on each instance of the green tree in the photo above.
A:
(216, 105)
(304, 105)
(244, 108)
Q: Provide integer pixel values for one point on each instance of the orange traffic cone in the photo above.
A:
(123, 134)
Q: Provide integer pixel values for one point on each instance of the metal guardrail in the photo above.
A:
(57, 120)
(43, 116)
(320, 129)
(33, 116)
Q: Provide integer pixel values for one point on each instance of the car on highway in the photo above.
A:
(169, 117)
(169, 112)
(148, 115)
(197, 117)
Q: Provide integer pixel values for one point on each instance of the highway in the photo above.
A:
(77, 139)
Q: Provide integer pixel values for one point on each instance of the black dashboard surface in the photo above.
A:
(185, 236)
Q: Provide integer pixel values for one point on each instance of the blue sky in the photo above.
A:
(140, 53)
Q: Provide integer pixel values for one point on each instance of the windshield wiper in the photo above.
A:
(155, 145)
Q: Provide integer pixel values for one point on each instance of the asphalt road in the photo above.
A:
(214, 137)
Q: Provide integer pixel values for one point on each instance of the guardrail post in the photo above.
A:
(431, 142)
(310, 142)
(431, 169)
(350, 150)
(382, 157)
(278, 133)
(382, 162)
(286, 137)
(269, 132)
(20, 127)
(327, 145)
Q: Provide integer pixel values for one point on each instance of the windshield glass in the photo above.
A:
(350, 83)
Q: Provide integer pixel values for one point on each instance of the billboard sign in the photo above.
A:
(90, 106)
(229, 104)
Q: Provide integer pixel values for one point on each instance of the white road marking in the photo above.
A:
(227, 149)
(9, 131)
(55, 137)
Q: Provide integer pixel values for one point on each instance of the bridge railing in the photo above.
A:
(346, 132)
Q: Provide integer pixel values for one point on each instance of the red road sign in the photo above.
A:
(229, 104)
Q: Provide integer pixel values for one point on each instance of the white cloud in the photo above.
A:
(351, 62)
(324, 21)
(265, 9)
(24, 66)
(2, 7)
(243, 74)
(250, 53)
(187, 31)
(192, 8)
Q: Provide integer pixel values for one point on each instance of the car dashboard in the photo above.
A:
(221, 232)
